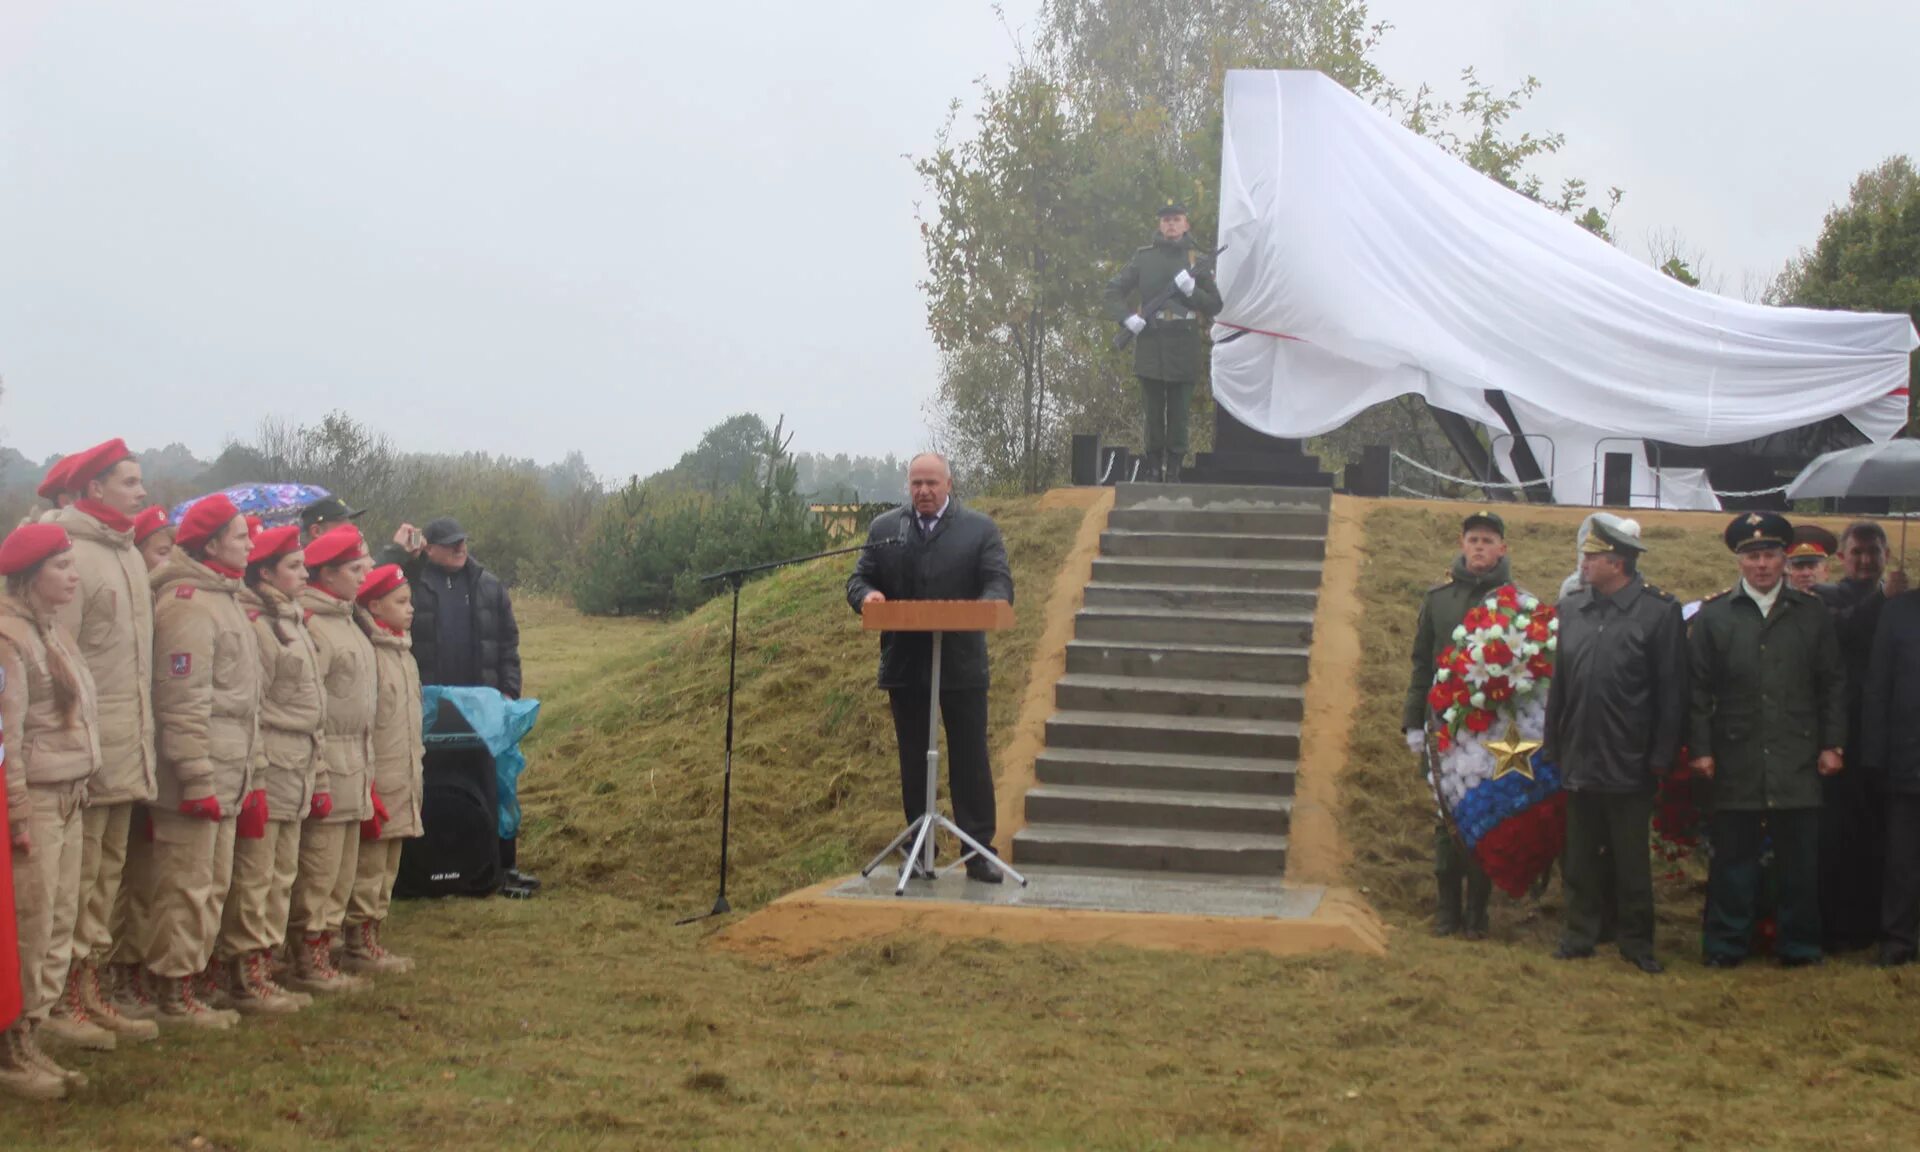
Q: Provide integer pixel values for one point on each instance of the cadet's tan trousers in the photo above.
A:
(132, 915)
(329, 856)
(192, 870)
(52, 897)
(373, 880)
(263, 875)
(103, 862)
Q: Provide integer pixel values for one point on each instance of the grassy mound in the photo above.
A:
(626, 792)
(1387, 812)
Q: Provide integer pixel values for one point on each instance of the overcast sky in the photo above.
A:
(530, 228)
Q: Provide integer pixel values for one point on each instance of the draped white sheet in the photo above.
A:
(1369, 263)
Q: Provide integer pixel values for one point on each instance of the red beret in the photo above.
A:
(204, 520)
(149, 521)
(274, 543)
(29, 544)
(56, 480)
(254, 525)
(379, 582)
(336, 546)
(84, 467)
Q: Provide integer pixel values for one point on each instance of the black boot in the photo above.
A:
(1175, 461)
(1446, 908)
(1479, 891)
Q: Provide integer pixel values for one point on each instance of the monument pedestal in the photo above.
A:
(1243, 455)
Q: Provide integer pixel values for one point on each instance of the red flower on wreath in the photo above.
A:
(1540, 630)
(1544, 612)
(1479, 720)
(1497, 654)
(1508, 597)
(1539, 666)
(1443, 741)
(1440, 697)
(1498, 688)
(1478, 620)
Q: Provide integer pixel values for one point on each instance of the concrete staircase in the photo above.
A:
(1178, 722)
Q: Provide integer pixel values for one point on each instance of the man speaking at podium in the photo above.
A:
(937, 549)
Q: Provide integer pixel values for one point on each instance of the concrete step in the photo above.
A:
(1278, 521)
(1151, 849)
(1142, 695)
(1202, 598)
(1106, 768)
(1237, 629)
(1248, 497)
(1158, 808)
(1186, 735)
(1211, 546)
(1252, 574)
(1160, 660)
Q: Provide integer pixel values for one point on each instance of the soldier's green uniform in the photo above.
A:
(1167, 354)
(1445, 607)
(1769, 695)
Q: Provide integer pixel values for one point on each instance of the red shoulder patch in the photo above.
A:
(253, 614)
(181, 663)
(184, 592)
(309, 616)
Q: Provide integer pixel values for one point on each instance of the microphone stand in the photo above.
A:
(735, 578)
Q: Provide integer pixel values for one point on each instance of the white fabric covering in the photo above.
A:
(1371, 264)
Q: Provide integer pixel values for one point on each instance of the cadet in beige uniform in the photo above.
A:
(47, 708)
(113, 622)
(206, 697)
(329, 839)
(153, 535)
(398, 752)
(266, 852)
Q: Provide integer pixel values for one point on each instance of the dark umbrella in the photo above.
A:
(1887, 469)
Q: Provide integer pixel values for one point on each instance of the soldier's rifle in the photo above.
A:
(1160, 300)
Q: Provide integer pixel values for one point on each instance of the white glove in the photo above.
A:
(1183, 280)
(1135, 324)
(1416, 741)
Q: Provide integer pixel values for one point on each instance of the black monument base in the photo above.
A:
(1242, 455)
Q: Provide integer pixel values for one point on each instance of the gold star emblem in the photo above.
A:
(1753, 517)
(1512, 754)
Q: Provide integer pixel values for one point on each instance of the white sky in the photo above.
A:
(529, 228)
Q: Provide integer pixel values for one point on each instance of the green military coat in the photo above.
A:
(1768, 695)
(1171, 348)
(1445, 607)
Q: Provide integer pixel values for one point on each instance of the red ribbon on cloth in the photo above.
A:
(9, 927)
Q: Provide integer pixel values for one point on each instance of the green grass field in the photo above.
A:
(584, 1020)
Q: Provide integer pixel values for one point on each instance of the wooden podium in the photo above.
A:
(915, 843)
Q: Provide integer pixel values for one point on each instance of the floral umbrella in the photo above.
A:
(274, 504)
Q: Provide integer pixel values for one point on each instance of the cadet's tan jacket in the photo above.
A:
(292, 704)
(44, 746)
(112, 622)
(352, 691)
(206, 686)
(399, 749)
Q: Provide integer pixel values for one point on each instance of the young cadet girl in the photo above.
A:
(398, 751)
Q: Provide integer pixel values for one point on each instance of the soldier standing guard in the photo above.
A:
(1479, 571)
(1615, 713)
(1167, 346)
(1768, 720)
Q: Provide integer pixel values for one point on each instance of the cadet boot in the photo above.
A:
(30, 1044)
(252, 993)
(70, 1024)
(313, 969)
(210, 987)
(101, 1008)
(365, 956)
(1446, 908)
(1175, 462)
(180, 1006)
(19, 1074)
(1479, 891)
(376, 929)
(130, 997)
(270, 975)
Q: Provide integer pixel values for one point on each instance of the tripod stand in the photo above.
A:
(735, 578)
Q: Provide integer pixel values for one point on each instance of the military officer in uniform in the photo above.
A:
(1615, 715)
(1807, 556)
(1768, 720)
(1479, 570)
(1167, 346)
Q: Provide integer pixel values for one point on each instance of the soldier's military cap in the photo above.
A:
(327, 510)
(1611, 534)
(1173, 208)
(1811, 543)
(1484, 518)
(1756, 531)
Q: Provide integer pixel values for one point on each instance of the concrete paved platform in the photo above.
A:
(1103, 890)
